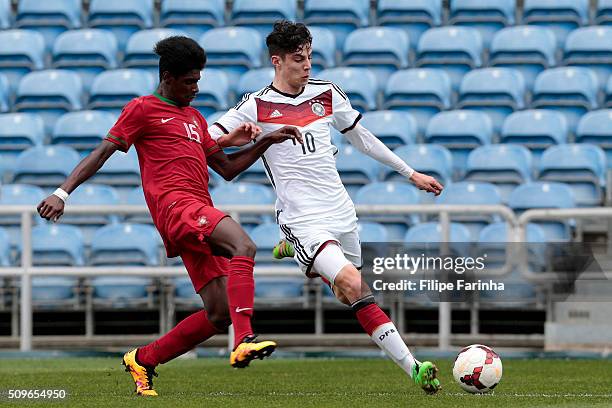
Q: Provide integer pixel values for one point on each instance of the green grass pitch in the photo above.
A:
(101, 382)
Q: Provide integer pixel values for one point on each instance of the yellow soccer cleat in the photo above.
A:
(249, 350)
(142, 376)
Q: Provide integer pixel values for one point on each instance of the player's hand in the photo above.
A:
(51, 208)
(427, 183)
(285, 133)
(243, 134)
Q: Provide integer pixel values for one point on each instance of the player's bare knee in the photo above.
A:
(350, 284)
(219, 318)
(245, 247)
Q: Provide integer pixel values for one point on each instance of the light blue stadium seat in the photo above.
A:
(50, 93)
(120, 170)
(54, 292)
(487, 16)
(261, 15)
(608, 94)
(389, 193)
(4, 93)
(323, 49)
(139, 49)
(233, 49)
(18, 132)
(45, 165)
(57, 245)
(111, 90)
(603, 13)
(121, 291)
(571, 90)
(244, 193)
(136, 197)
(393, 128)
(456, 50)
(5, 249)
(414, 16)
(266, 236)
(355, 168)
(460, 131)
(581, 166)
(562, 16)
(18, 194)
(254, 80)
(427, 236)
(505, 165)
(86, 52)
(432, 159)
(529, 49)
(590, 47)
(536, 129)
(359, 84)
(50, 18)
(125, 244)
(374, 238)
(372, 232)
(381, 49)
(6, 18)
(542, 194)
(496, 91)
(471, 193)
(596, 128)
(92, 194)
(82, 130)
(122, 17)
(279, 290)
(184, 292)
(215, 92)
(22, 51)
(195, 17)
(341, 16)
(422, 92)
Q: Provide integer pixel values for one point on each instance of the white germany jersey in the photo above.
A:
(307, 184)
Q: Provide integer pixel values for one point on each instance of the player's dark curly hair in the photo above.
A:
(287, 37)
(179, 55)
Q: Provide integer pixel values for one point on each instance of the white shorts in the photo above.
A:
(307, 241)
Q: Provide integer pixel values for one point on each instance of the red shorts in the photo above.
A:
(187, 229)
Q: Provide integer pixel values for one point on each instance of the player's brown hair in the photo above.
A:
(287, 37)
(179, 55)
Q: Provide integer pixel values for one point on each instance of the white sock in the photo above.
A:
(389, 340)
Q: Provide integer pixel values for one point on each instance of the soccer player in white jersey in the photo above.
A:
(313, 209)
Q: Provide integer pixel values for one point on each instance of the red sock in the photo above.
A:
(240, 293)
(190, 332)
(370, 317)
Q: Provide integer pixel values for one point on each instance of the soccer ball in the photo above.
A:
(477, 369)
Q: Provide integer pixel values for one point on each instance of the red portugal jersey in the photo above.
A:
(172, 143)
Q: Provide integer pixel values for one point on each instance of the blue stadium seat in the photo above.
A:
(5, 249)
(389, 193)
(427, 237)
(111, 90)
(355, 168)
(542, 194)
(18, 132)
(5, 14)
(86, 52)
(136, 197)
(266, 236)
(215, 92)
(4, 93)
(581, 166)
(45, 165)
(184, 293)
(139, 49)
(471, 193)
(57, 245)
(122, 17)
(122, 291)
(432, 159)
(92, 194)
(50, 18)
(571, 90)
(590, 47)
(340, 16)
(323, 49)
(456, 50)
(22, 51)
(596, 128)
(254, 80)
(125, 244)
(460, 131)
(393, 128)
(529, 49)
(536, 129)
(562, 16)
(261, 15)
(495, 91)
(50, 93)
(279, 290)
(372, 232)
(505, 165)
(414, 16)
(120, 170)
(381, 49)
(195, 17)
(82, 130)
(487, 16)
(608, 94)
(244, 193)
(359, 84)
(54, 292)
(603, 13)
(422, 92)
(233, 49)
(18, 194)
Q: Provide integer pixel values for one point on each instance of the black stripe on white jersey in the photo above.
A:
(268, 171)
(244, 99)
(299, 251)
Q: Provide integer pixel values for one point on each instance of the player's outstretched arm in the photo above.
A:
(229, 166)
(245, 133)
(52, 207)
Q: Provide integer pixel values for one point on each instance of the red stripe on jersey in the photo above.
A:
(296, 115)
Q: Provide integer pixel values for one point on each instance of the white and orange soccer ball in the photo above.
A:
(477, 369)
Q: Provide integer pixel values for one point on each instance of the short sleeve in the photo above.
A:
(129, 126)
(345, 117)
(209, 145)
(244, 111)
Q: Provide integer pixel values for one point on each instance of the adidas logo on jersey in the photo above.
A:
(275, 114)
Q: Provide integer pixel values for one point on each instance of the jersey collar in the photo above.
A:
(161, 98)
(288, 95)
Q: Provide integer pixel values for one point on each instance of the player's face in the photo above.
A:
(184, 88)
(295, 68)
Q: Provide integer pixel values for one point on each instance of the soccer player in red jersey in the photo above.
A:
(174, 149)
